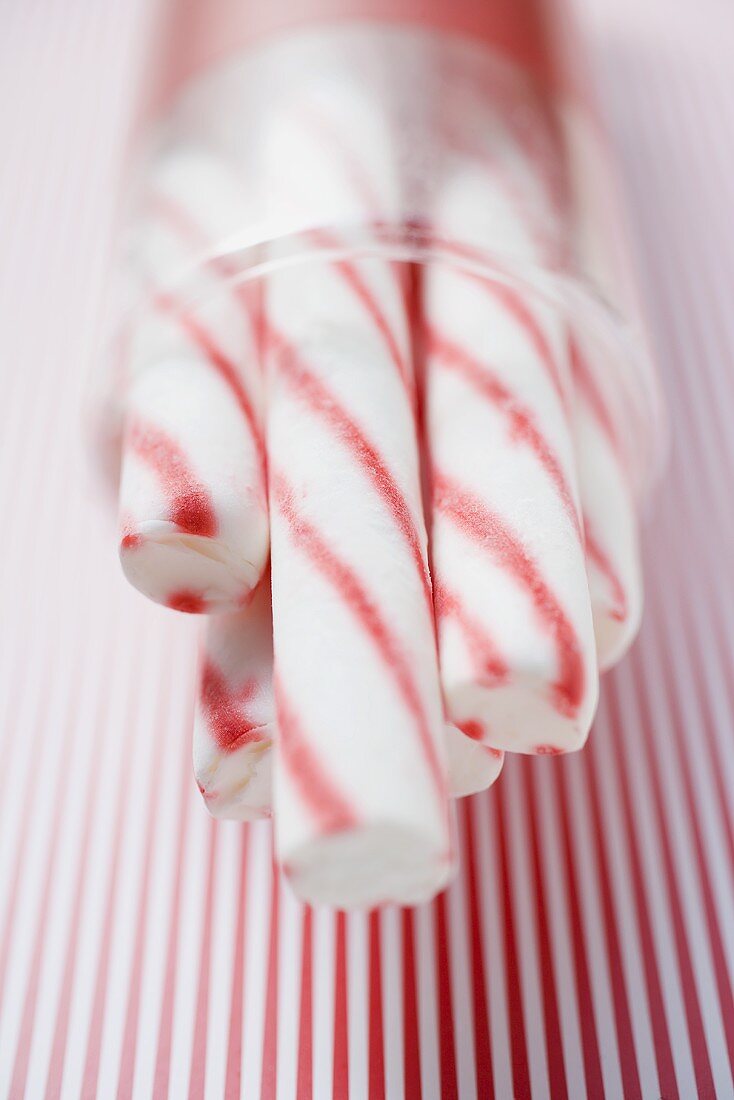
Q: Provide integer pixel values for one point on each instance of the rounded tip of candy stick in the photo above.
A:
(186, 572)
(236, 786)
(369, 866)
(521, 715)
(472, 766)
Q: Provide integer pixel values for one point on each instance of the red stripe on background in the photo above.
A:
(411, 1034)
(233, 1070)
(190, 505)
(356, 598)
(521, 421)
(549, 993)
(326, 803)
(324, 403)
(486, 528)
(376, 1088)
(305, 1025)
(223, 707)
(341, 1017)
(518, 1040)
(587, 1020)
(449, 1081)
(269, 1083)
(601, 561)
(197, 1075)
(694, 1019)
(479, 965)
(626, 1043)
(656, 1015)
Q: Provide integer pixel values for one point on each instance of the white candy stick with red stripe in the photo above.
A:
(508, 192)
(514, 622)
(193, 513)
(235, 715)
(360, 777)
(515, 631)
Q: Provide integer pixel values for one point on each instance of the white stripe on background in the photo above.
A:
(424, 936)
(526, 926)
(492, 925)
(358, 1002)
(323, 1002)
(392, 1002)
(461, 979)
(289, 992)
(259, 891)
(560, 927)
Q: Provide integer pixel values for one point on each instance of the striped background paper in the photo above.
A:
(587, 948)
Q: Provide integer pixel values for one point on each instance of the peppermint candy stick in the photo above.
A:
(360, 777)
(515, 630)
(235, 716)
(193, 511)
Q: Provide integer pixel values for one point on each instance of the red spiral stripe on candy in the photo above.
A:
(188, 601)
(325, 404)
(190, 504)
(223, 707)
(490, 662)
(486, 528)
(356, 598)
(514, 303)
(361, 290)
(223, 365)
(521, 420)
(331, 809)
(605, 567)
(584, 380)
